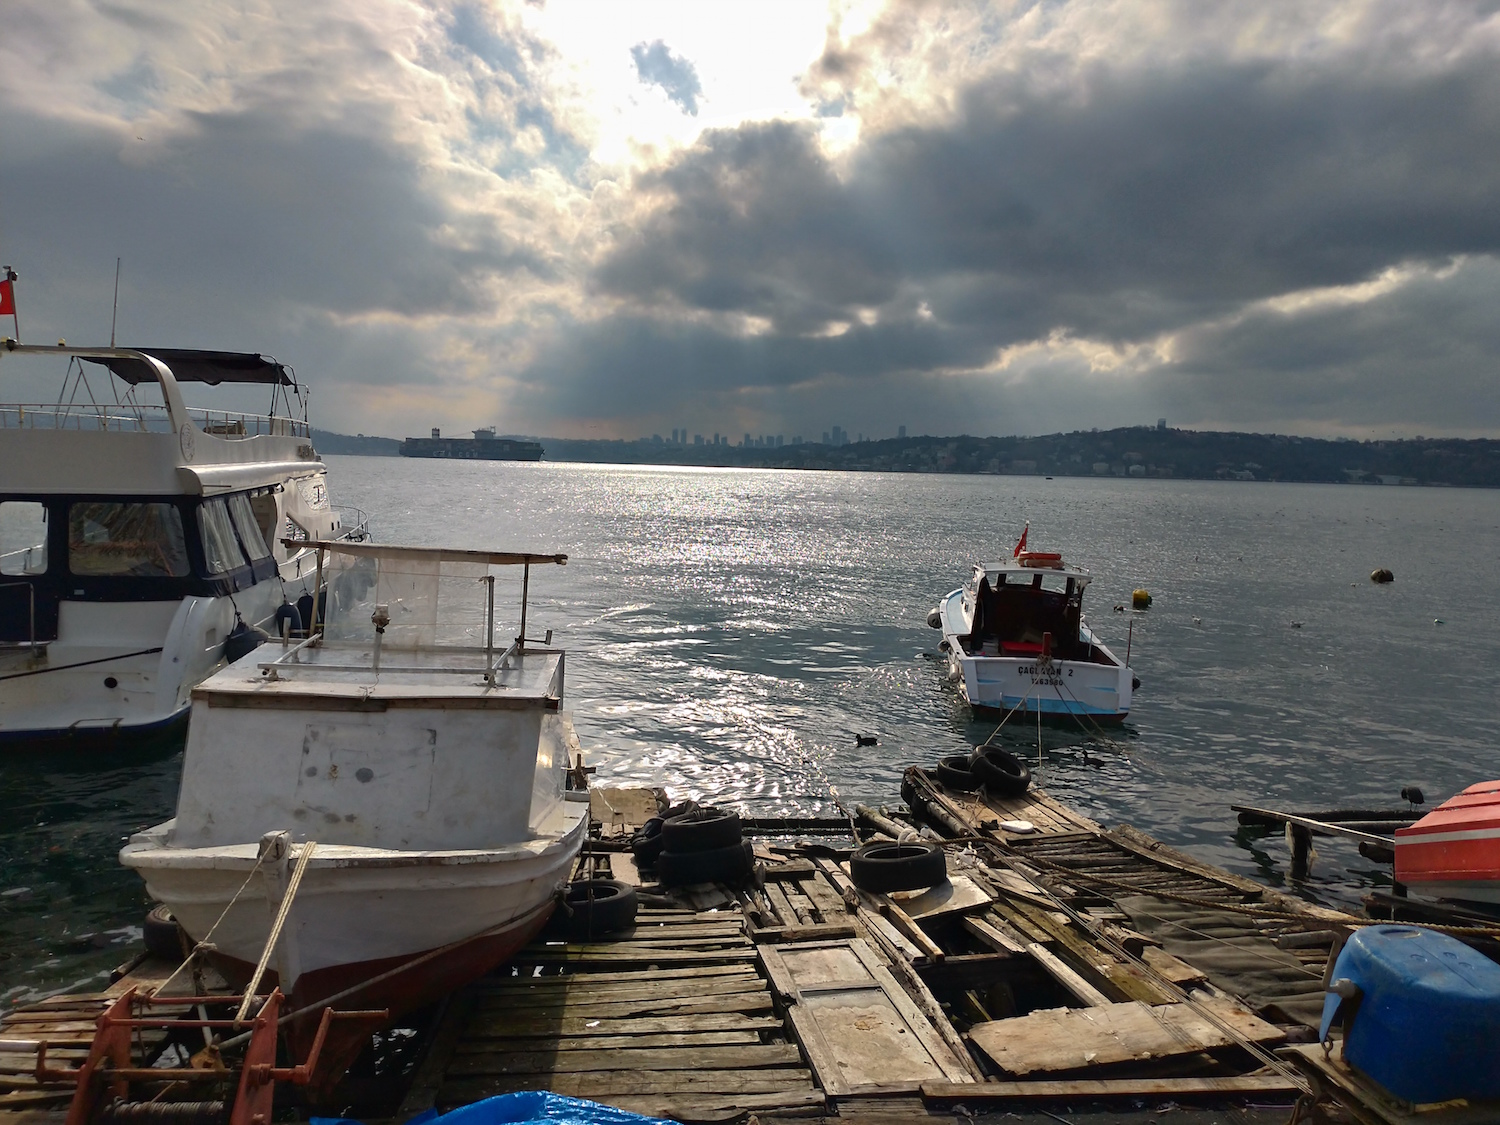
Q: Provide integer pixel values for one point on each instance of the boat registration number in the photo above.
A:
(1041, 676)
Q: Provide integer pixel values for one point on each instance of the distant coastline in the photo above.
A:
(1128, 452)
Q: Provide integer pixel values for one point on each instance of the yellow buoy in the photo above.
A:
(1140, 599)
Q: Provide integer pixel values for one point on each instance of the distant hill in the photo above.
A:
(1134, 451)
(326, 441)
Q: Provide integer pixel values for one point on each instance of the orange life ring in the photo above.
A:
(1044, 560)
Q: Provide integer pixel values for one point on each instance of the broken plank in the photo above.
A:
(629, 1058)
(694, 1108)
(822, 931)
(708, 1005)
(1171, 968)
(1062, 1039)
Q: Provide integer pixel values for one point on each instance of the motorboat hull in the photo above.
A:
(1057, 689)
(355, 906)
(1454, 851)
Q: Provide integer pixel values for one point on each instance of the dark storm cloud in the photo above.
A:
(622, 365)
(241, 211)
(1141, 202)
(1144, 202)
(678, 79)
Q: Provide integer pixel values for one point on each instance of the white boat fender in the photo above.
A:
(243, 639)
(935, 618)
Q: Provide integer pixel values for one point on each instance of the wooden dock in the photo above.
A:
(1062, 966)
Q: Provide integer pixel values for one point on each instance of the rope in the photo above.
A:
(206, 946)
(275, 935)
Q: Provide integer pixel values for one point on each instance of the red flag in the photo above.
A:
(1021, 542)
(7, 298)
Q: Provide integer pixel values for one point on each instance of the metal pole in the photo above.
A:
(312, 626)
(489, 625)
(115, 312)
(1129, 636)
(525, 587)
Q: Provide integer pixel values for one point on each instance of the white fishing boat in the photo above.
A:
(400, 803)
(137, 536)
(1017, 641)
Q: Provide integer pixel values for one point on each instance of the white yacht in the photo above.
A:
(137, 536)
(1016, 640)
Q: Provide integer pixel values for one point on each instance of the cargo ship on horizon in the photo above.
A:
(483, 446)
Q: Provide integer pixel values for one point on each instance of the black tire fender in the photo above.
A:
(599, 906)
(956, 772)
(162, 934)
(1001, 772)
(889, 866)
(713, 865)
(647, 843)
(701, 830)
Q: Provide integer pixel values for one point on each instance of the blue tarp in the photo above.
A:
(531, 1106)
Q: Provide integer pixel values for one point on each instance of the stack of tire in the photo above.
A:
(999, 772)
(693, 845)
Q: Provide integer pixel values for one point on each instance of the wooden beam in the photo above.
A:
(1112, 1088)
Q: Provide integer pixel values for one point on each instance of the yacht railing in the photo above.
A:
(354, 524)
(145, 418)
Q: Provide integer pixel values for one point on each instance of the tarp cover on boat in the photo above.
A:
(525, 1108)
(191, 365)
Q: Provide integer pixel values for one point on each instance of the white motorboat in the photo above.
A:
(405, 802)
(136, 537)
(1016, 640)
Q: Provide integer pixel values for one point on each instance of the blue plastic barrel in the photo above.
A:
(1426, 1022)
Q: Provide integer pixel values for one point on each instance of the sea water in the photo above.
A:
(730, 632)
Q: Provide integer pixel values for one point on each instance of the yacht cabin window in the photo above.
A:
(246, 524)
(263, 506)
(23, 537)
(221, 549)
(140, 540)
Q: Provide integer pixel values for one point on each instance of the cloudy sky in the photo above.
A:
(611, 219)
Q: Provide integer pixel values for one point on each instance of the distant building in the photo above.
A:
(900, 431)
(1101, 468)
(778, 441)
(483, 446)
(697, 439)
(1161, 423)
(825, 437)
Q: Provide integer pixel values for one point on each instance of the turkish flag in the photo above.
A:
(7, 298)
(1021, 543)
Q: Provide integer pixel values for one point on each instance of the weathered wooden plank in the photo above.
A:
(546, 1042)
(649, 945)
(1106, 1088)
(626, 956)
(628, 1058)
(582, 972)
(778, 901)
(533, 1014)
(641, 1025)
(601, 1085)
(855, 1022)
(702, 1108)
(829, 903)
(1071, 1038)
(776, 935)
(1171, 968)
(623, 991)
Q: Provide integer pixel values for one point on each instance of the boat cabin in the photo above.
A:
(107, 497)
(1024, 608)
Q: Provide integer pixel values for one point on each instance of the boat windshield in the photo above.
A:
(23, 537)
(143, 540)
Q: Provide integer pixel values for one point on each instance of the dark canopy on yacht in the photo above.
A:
(191, 365)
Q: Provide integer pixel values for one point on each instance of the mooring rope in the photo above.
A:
(205, 945)
(275, 935)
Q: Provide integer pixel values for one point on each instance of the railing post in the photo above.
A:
(489, 625)
(525, 586)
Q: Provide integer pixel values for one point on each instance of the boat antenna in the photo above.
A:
(115, 312)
